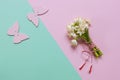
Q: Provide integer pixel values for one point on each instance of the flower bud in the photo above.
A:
(69, 28)
(74, 42)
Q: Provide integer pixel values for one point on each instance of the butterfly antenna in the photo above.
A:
(43, 13)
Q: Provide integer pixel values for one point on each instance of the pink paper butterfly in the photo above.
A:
(34, 17)
(14, 31)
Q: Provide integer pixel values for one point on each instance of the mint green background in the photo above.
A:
(38, 58)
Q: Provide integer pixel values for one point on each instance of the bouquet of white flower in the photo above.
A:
(79, 30)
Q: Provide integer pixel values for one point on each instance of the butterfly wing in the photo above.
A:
(20, 37)
(33, 18)
(40, 11)
(14, 29)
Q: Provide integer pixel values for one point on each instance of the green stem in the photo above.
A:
(96, 51)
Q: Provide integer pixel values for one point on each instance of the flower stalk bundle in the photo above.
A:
(79, 30)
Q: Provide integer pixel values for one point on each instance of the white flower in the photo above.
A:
(77, 20)
(74, 42)
(73, 28)
(77, 28)
(73, 35)
(69, 28)
(80, 20)
(72, 23)
(80, 33)
(87, 26)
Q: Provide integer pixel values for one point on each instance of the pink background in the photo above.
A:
(105, 20)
